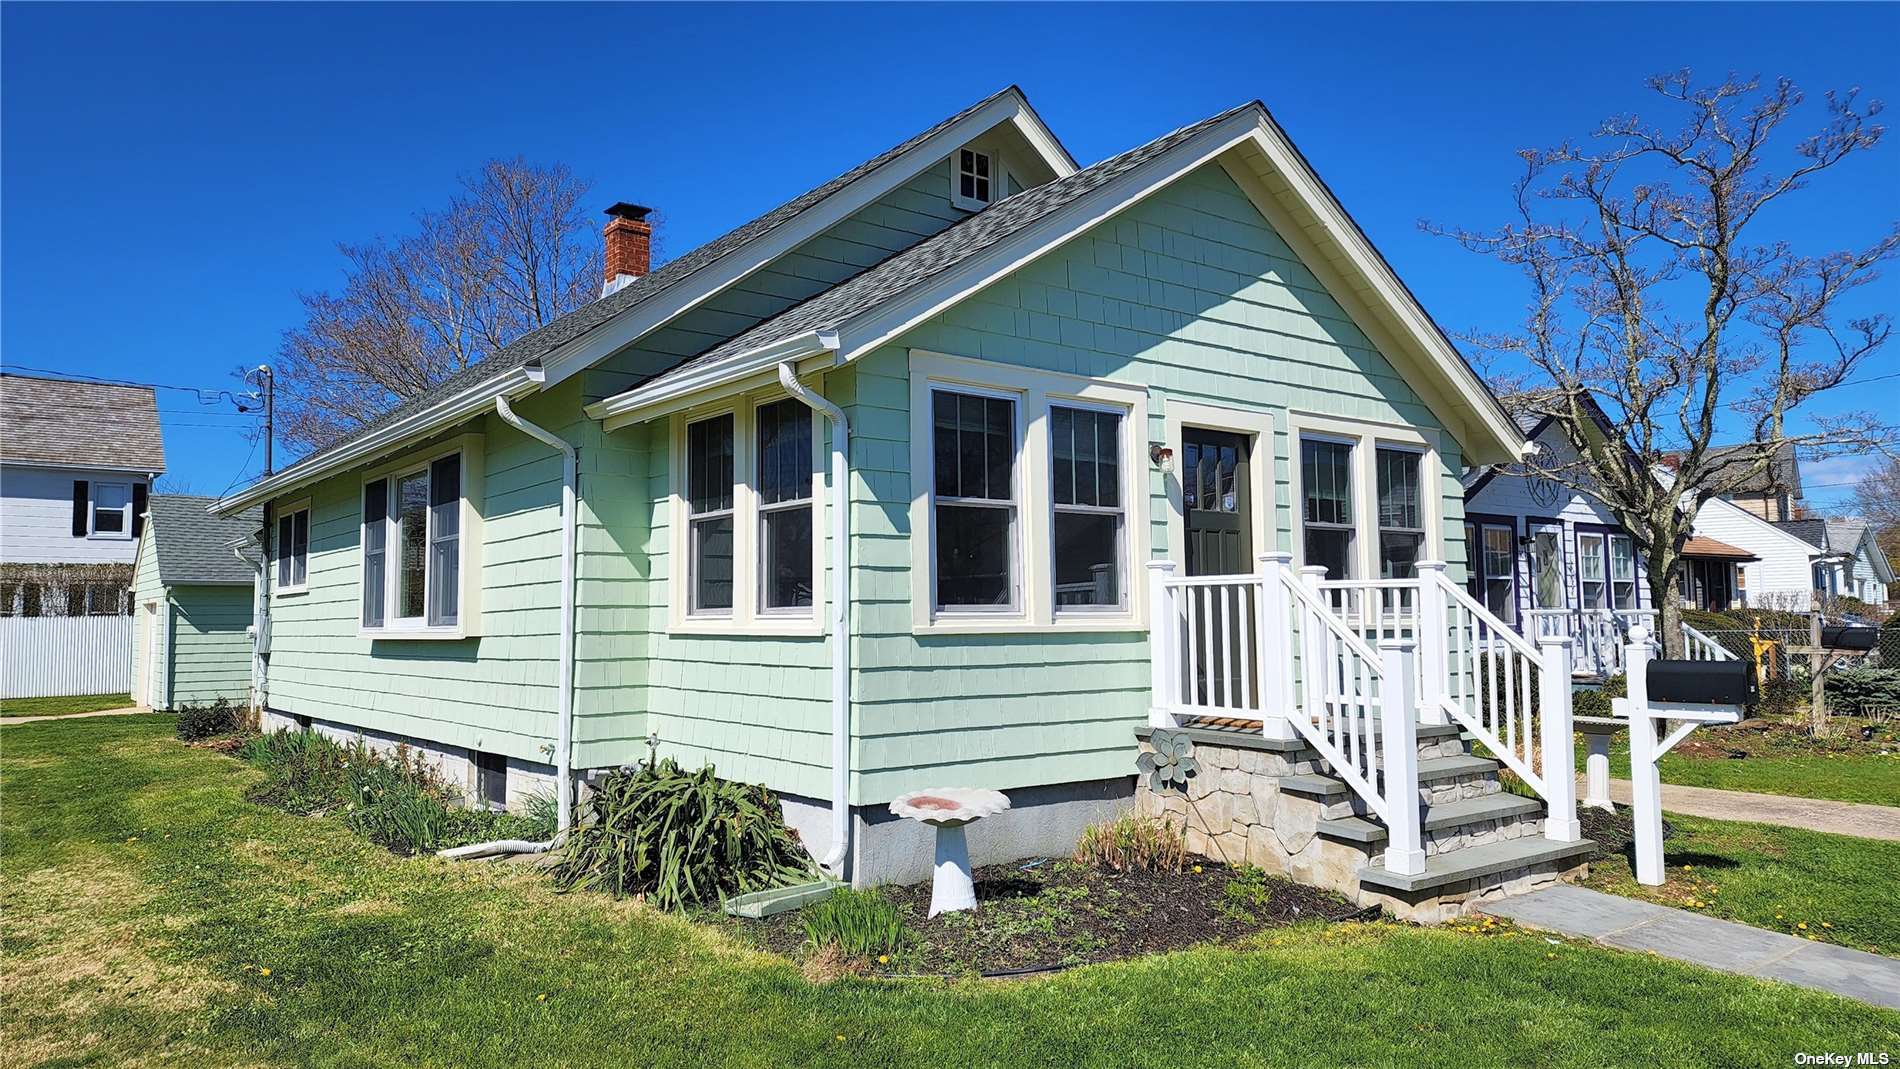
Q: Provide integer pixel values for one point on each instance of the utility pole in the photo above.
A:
(269, 383)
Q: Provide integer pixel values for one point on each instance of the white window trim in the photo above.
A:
(1033, 549)
(280, 589)
(1258, 426)
(1366, 436)
(124, 533)
(747, 616)
(469, 605)
(974, 204)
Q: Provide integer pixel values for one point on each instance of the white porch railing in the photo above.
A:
(1352, 668)
(1597, 635)
(1697, 646)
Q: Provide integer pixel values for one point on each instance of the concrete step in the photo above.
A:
(1440, 817)
(1475, 862)
(1430, 770)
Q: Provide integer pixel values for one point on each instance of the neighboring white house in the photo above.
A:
(1792, 558)
(1863, 571)
(76, 462)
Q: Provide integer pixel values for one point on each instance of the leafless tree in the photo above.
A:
(1877, 500)
(511, 251)
(1660, 316)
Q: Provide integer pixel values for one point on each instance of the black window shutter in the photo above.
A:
(138, 509)
(81, 500)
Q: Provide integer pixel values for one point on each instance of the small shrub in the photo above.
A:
(1863, 690)
(198, 722)
(859, 923)
(683, 838)
(1587, 702)
(1133, 843)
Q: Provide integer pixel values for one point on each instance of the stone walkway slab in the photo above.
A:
(1814, 814)
(1628, 924)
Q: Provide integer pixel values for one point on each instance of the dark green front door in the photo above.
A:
(1214, 502)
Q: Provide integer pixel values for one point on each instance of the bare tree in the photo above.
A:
(1877, 500)
(1658, 316)
(512, 251)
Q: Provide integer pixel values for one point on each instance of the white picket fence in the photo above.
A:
(44, 656)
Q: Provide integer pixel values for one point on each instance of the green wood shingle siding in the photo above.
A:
(211, 654)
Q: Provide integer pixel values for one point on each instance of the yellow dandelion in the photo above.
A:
(263, 971)
(1803, 925)
(1777, 916)
(841, 1037)
(883, 959)
(1197, 868)
(1550, 955)
(1826, 924)
(541, 997)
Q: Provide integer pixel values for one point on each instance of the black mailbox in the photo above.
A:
(1703, 682)
(1848, 637)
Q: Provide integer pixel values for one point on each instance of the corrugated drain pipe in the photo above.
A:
(840, 501)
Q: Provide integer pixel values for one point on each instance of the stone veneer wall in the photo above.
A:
(1241, 814)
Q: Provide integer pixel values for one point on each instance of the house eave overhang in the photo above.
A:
(385, 439)
(61, 465)
(647, 402)
(714, 278)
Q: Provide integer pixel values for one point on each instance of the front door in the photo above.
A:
(1215, 505)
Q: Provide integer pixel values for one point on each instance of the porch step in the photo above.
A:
(1474, 862)
(1430, 770)
(1438, 817)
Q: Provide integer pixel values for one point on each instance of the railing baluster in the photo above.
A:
(1227, 648)
(1194, 672)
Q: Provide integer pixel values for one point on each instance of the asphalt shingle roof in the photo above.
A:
(1782, 475)
(945, 250)
(79, 424)
(192, 544)
(1813, 532)
(538, 343)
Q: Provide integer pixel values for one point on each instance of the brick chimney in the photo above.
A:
(629, 246)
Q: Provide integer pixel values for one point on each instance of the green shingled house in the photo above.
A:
(192, 600)
(859, 497)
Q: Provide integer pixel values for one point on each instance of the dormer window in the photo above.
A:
(975, 180)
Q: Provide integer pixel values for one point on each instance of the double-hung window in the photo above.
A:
(1401, 513)
(293, 547)
(1623, 571)
(1498, 567)
(418, 577)
(973, 439)
(1327, 511)
(111, 510)
(709, 504)
(1593, 590)
(1090, 521)
(785, 505)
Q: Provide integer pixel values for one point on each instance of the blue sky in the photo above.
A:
(174, 176)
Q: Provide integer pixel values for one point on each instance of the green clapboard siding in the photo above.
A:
(1190, 293)
(211, 654)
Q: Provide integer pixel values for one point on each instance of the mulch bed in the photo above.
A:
(1055, 913)
(1776, 737)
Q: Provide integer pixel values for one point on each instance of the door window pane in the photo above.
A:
(1547, 567)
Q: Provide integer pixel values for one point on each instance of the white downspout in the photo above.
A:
(840, 613)
(564, 704)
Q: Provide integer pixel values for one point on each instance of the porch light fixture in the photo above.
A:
(1163, 458)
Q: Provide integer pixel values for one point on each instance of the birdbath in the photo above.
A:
(948, 809)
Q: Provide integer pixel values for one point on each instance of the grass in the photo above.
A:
(64, 705)
(1839, 887)
(149, 915)
(1840, 767)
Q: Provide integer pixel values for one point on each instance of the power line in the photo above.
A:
(215, 392)
(243, 469)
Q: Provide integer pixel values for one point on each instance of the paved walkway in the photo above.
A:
(1628, 924)
(72, 716)
(1814, 814)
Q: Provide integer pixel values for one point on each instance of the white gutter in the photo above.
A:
(473, 401)
(840, 613)
(564, 702)
(631, 406)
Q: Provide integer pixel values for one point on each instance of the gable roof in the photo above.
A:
(70, 424)
(193, 546)
(648, 302)
(1813, 532)
(863, 312)
(1782, 475)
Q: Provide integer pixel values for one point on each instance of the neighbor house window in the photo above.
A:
(412, 547)
(112, 510)
(1326, 482)
(1592, 584)
(709, 500)
(1498, 561)
(1623, 571)
(785, 504)
(1085, 478)
(293, 548)
(973, 441)
(1401, 513)
(1547, 567)
(975, 179)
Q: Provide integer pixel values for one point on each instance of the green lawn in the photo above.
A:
(151, 916)
(1843, 768)
(78, 703)
(1840, 887)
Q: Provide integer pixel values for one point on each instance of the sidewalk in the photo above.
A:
(72, 716)
(1814, 814)
(1628, 924)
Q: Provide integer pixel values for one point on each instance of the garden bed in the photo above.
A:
(1056, 913)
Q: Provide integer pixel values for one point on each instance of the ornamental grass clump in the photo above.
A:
(859, 923)
(1133, 843)
(680, 838)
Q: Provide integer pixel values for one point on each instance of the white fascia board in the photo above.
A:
(1043, 140)
(450, 410)
(623, 330)
(643, 403)
(880, 324)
